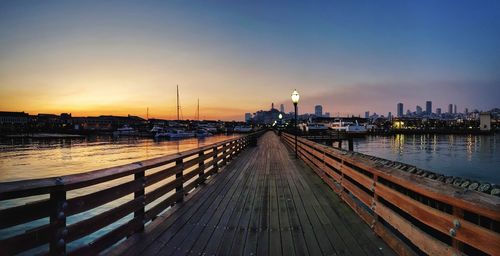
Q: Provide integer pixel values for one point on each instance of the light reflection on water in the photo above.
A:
(31, 159)
(471, 156)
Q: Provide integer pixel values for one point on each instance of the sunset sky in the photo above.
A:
(120, 57)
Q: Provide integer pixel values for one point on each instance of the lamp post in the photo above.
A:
(295, 100)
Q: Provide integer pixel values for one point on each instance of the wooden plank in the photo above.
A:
(86, 202)
(90, 225)
(25, 241)
(422, 240)
(232, 211)
(469, 233)
(24, 213)
(110, 238)
(196, 244)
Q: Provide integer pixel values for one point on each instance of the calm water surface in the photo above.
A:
(470, 156)
(29, 159)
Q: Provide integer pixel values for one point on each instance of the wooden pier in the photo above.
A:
(243, 197)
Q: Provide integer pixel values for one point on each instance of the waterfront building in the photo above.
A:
(428, 107)
(400, 109)
(450, 109)
(419, 110)
(485, 121)
(318, 110)
(248, 117)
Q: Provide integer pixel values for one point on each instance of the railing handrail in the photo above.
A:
(78, 180)
(457, 196)
(152, 193)
(379, 189)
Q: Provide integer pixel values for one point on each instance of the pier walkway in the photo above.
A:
(264, 202)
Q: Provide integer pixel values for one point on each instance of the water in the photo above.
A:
(30, 159)
(475, 157)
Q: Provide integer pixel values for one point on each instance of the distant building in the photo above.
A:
(400, 109)
(419, 110)
(455, 109)
(450, 109)
(389, 115)
(428, 107)
(367, 114)
(248, 117)
(466, 111)
(318, 110)
(13, 118)
(438, 111)
(327, 114)
(485, 121)
(282, 108)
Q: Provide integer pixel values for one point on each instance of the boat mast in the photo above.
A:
(198, 110)
(178, 107)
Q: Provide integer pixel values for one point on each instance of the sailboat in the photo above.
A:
(175, 133)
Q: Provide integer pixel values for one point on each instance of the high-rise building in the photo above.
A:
(419, 110)
(248, 117)
(450, 109)
(282, 108)
(455, 109)
(438, 111)
(318, 110)
(466, 111)
(428, 107)
(400, 109)
(389, 115)
(367, 114)
(327, 114)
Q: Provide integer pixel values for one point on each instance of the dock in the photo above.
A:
(251, 196)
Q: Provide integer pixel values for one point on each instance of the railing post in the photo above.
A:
(179, 176)
(224, 161)
(232, 149)
(216, 165)
(58, 222)
(458, 214)
(201, 165)
(139, 214)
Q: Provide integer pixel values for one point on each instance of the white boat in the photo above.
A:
(125, 131)
(175, 134)
(242, 128)
(312, 127)
(349, 127)
(156, 129)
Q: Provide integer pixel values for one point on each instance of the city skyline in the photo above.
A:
(93, 57)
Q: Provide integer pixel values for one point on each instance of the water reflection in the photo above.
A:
(29, 159)
(470, 156)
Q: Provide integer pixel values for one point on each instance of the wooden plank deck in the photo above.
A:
(264, 202)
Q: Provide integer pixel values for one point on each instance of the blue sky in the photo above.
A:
(119, 57)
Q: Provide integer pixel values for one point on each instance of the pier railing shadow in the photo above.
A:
(152, 186)
(413, 214)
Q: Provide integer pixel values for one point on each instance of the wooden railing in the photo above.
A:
(119, 200)
(412, 214)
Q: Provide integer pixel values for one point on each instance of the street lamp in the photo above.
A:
(295, 100)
